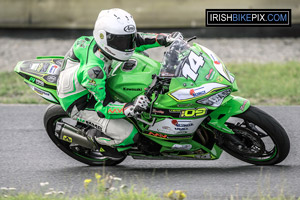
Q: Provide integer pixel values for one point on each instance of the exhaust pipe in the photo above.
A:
(72, 135)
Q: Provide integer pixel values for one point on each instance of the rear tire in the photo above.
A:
(265, 126)
(55, 113)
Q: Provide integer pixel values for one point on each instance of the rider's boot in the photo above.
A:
(93, 134)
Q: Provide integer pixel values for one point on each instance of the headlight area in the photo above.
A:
(216, 99)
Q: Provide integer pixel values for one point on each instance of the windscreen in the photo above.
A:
(174, 58)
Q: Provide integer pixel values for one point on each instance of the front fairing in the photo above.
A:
(198, 77)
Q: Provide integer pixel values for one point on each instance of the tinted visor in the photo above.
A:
(121, 42)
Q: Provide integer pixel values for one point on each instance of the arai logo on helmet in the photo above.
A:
(129, 28)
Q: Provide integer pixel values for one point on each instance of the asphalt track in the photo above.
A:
(28, 157)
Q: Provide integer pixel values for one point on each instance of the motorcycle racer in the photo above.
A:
(81, 86)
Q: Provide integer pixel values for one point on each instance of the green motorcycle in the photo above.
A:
(192, 115)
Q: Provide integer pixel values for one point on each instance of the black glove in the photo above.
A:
(173, 36)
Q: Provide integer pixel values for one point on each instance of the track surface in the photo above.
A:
(28, 157)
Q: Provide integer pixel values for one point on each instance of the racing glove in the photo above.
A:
(135, 108)
(173, 36)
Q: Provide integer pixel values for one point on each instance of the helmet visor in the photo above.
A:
(124, 43)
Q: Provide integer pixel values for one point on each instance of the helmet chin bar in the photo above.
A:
(108, 56)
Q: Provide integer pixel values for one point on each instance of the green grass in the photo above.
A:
(14, 90)
(268, 84)
(262, 84)
(129, 195)
(109, 187)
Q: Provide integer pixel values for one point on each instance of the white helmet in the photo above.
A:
(115, 33)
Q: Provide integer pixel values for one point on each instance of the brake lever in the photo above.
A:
(192, 38)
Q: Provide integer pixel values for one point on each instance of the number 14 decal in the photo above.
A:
(192, 65)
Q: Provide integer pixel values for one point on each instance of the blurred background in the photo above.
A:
(31, 28)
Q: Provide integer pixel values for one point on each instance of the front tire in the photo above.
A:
(55, 113)
(257, 131)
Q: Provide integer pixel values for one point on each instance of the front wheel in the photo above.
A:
(259, 139)
(54, 114)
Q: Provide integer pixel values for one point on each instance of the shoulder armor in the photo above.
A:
(96, 73)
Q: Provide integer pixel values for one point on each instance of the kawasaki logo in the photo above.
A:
(132, 89)
(129, 28)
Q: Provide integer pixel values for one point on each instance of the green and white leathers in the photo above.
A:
(83, 78)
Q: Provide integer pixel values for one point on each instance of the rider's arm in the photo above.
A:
(146, 41)
(93, 78)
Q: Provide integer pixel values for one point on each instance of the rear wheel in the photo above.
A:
(54, 114)
(259, 139)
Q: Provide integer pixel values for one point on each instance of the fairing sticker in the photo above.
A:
(42, 93)
(176, 127)
(192, 93)
(217, 63)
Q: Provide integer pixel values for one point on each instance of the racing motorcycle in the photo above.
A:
(192, 114)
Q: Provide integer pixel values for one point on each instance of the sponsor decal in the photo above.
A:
(182, 147)
(210, 73)
(220, 79)
(175, 111)
(52, 69)
(92, 82)
(32, 79)
(129, 28)
(39, 82)
(166, 127)
(158, 111)
(182, 123)
(36, 81)
(40, 92)
(51, 79)
(185, 105)
(157, 135)
(198, 112)
(81, 43)
(132, 89)
(45, 67)
(197, 92)
(67, 139)
(40, 67)
(243, 106)
(101, 36)
(192, 93)
(115, 110)
(34, 66)
(109, 51)
(94, 125)
(181, 129)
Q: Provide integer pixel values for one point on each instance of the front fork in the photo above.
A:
(236, 105)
